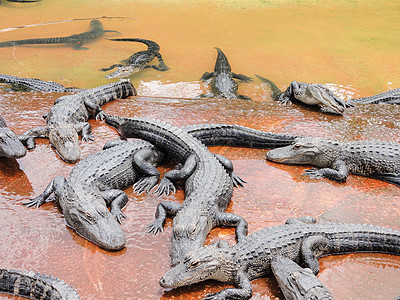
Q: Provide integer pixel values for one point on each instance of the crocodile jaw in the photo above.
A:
(66, 141)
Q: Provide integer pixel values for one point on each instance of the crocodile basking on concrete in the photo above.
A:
(35, 286)
(10, 145)
(299, 240)
(307, 93)
(69, 116)
(223, 84)
(33, 84)
(375, 159)
(388, 97)
(78, 40)
(138, 61)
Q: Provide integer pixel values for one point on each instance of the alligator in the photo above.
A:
(103, 176)
(223, 84)
(69, 116)
(298, 283)
(208, 187)
(388, 97)
(10, 145)
(35, 286)
(78, 40)
(33, 84)
(375, 159)
(307, 93)
(138, 61)
(300, 240)
(22, 1)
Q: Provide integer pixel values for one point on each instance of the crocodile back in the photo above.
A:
(33, 83)
(388, 97)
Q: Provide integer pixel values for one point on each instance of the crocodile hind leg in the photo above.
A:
(313, 247)
(161, 62)
(233, 220)
(227, 164)
(164, 209)
(55, 186)
(85, 130)
(78, 46)
(117, 199)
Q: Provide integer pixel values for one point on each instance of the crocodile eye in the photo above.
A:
(296, 146)
(89, 217)
(194, 264)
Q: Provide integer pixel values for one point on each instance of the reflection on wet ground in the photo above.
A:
(276, 41)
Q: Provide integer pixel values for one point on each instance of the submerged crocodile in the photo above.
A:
(33, 84)
(69, 116)
(298, 283)
(78, 40)
(223, 84)
(299, 240)
(388, 97)
(375, 159)
(35, 286)
(100, 179)
(138, 61)
(22, 1)
(307, 93)
(10, 145)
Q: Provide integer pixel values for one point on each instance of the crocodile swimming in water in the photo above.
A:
(388, 97)
(35, 286)
(299, 240)
(223, 84)
(33, 84)
(78, 40)
(375, 159)
(100, 179)
(138, 61)
(69, 115)
(22, 1)
(10, 145)
(307, 93)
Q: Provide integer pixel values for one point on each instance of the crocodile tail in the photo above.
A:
(39, 41)
(275, 91)
(153, 46)
(391, 178)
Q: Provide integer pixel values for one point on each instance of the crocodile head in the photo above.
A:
(10, 145)
(125, 71)
(222, 63)
(96, 24)
(189, 232)
(209, 262)
(65, 139)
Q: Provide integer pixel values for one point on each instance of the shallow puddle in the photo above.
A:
(352, 46)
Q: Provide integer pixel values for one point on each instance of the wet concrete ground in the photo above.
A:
(284, 42)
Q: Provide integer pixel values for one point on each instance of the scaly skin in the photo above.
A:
(33, 84)
(35, 286)
(307, 93)
(68, 117)
(138, 61)
(78, 40)
(10, 145)
(299, 240)
(208, 186)
(298, 283)
(388, 97)
(223, 84)
(376, 159)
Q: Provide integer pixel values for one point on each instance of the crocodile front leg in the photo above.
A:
(164, 209)
(207, 76)
(84, 129)
(55, 185)
(243, 290)
(227, 164)
(233, 220)
(117, 199)
(28, 137)
(313, 247)
(339, 172)
(149, 171)
(95, 109)
(242, 77)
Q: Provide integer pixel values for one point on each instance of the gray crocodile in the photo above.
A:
(307, 93)
(298, 283)
(138, 61)
(299, 240)
(35, 286)
(208, 187)
(78, 40)
(69, 116)
(223, 84)
(33, 84)
(388, 97)
(375, 159)
(10, 145)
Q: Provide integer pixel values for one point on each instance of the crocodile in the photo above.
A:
(69, 116)
(299, 239)
(375, 159)
(138, 61)
(35, 285)
(33, 84)
(100, 179)
(388, 97)
(307, 93)
(208, 187)
(78, 40)
(22, 1)
(10, 145)
(223, 84)
(298, 283)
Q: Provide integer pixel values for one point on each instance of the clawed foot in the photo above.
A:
(101, 115)
(237, 181)
(165, 186)
(313, 173)
(155, 227)
(119, 215)
(39, 200)
(87, 137)
(214, 296)
(145, 184)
